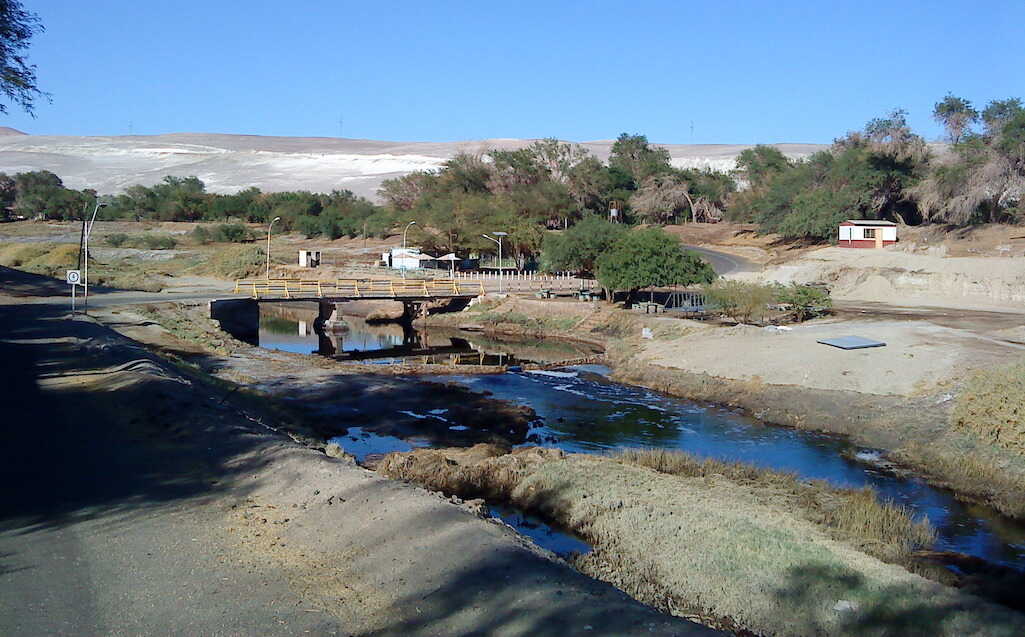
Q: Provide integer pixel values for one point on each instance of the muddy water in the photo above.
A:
(583, 411)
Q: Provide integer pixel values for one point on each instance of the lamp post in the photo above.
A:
(268, 244)
(85, 251)
(404, 255)
(501, 272)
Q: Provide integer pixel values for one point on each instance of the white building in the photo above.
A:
(866, 233)
(407, 259)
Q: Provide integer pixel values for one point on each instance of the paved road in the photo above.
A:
(724, 263)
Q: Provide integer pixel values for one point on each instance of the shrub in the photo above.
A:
(804, 301)
(158, 241)
(201, 235)
(232, 233)
(117, 239)
(743, 302)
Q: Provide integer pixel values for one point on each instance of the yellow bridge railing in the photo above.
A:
(358, 288)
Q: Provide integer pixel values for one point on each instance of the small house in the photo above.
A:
(867, 233)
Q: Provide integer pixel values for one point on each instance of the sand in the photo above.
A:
(919, 357)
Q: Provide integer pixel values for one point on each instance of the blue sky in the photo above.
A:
(742, 72)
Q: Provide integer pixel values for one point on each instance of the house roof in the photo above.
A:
(867, 222)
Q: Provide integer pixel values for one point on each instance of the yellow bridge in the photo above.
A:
(345, 289)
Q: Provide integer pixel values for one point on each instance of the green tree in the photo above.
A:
(578, 248)
(646, 257)
(17, 76)
(634, 157)
(999, 112)
(759, 164)
(956, 114)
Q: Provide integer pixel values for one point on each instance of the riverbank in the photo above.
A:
(144, 497)
(898, 399)
(732, 546)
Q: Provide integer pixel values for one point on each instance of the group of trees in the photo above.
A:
(549, 184)
(337, 214)
(886, 171)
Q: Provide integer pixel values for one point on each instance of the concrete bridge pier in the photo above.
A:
(328, 317)
(238, 317)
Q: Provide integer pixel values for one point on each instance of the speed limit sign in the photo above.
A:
(74, 277)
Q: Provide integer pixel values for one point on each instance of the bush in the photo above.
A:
(804, 301)
(117, 239)
(232, 233)
(743, 302)
(201, 235)
(158, 241)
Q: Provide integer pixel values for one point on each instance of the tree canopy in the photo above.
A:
(647, 257)
(17, 76)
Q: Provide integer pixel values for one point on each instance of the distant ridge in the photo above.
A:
(229, 163)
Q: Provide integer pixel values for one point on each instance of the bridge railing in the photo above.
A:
(357, 288)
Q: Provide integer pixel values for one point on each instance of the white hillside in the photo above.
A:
(228, 163)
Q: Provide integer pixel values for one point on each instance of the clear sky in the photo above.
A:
(742, 72)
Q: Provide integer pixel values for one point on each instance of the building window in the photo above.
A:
(870, 233)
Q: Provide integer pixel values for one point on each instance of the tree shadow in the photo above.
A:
(95, 425)
(836, 600)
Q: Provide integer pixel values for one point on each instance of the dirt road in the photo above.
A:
(137, 499)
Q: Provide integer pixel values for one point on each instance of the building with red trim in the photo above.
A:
(867, 233)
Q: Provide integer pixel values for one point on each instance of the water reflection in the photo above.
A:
(355, 339)
(583, 411)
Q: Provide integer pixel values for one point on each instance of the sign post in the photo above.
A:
(74, 278)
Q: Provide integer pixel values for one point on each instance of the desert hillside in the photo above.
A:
(228, 163)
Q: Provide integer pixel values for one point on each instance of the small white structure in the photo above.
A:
(452, 260)
(407, 259)
(866, 233)
(309, 258)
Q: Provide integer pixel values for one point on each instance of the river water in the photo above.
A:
(582, 410)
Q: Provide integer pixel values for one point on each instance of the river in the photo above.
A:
(582, 410)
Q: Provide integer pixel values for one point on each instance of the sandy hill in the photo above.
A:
(7, 130)
(228, 163)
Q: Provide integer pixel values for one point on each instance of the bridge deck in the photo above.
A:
(349, 289)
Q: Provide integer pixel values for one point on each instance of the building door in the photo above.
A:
(879, 238)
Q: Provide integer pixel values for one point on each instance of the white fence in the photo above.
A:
(516, 281)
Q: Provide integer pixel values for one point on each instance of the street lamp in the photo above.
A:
(89, 231)
(404, 255)
(501, 272)
(268, 244)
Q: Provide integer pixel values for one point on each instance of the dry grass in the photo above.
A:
(992, 407)
(717, 542)
(855, 516)
(233, 262)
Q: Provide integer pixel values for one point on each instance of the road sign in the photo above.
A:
(74, 277)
